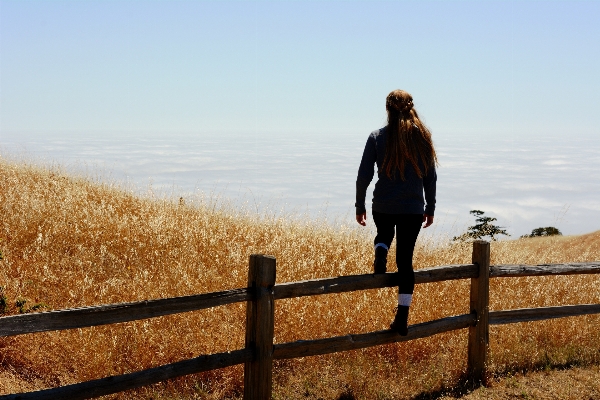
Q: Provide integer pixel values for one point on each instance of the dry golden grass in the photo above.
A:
(70, 242)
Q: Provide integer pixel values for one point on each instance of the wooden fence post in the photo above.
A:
(260, 324)
(480, 296)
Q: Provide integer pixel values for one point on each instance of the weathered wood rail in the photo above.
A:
(260, 295)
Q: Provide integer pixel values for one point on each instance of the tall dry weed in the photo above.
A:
(70, 242)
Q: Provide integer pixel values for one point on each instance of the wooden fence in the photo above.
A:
(260, 295)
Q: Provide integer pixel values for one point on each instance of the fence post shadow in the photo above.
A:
(260, 326)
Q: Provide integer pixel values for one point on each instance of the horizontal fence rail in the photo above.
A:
(541, 313)
(353, 283)
(260, 351)
(115, 384)
(497, 271)
(84, 317)
(306, 348)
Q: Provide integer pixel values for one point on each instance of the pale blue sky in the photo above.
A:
(510, 90)
(486, 67)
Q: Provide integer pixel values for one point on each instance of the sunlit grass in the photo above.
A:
(68, 241)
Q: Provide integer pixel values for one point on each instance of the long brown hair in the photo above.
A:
(408, 138)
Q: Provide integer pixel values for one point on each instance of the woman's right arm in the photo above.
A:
(365, 174)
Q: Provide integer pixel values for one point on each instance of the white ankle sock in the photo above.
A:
(381, 245)
(404, 299)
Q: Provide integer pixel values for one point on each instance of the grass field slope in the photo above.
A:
(68, 241)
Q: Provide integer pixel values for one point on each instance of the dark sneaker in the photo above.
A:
(400, 323)
(380, 264)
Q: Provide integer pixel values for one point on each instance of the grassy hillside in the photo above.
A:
(69, 242)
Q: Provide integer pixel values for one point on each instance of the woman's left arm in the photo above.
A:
(427, 220)
(429, 187)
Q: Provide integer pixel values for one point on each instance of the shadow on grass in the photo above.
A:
(461, 388)
(347, 394)
(465, 385)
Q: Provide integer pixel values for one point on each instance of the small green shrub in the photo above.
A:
(483, 227)
(547, 231)
(3, 301)
(19, 304)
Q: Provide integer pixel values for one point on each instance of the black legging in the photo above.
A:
(407, 227)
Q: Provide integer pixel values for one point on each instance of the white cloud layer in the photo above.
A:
(525, 183)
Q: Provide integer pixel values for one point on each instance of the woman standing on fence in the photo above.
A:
(406, 161)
